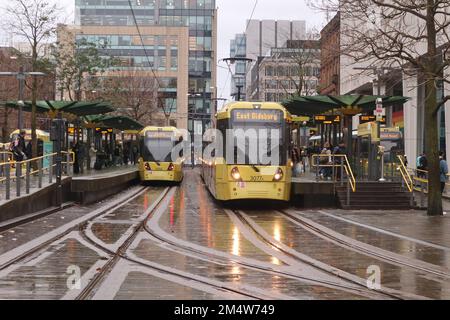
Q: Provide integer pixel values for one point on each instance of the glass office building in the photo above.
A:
(198, 15)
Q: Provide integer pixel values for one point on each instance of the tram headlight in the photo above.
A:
(278, 175)
(147, 166)
(170, 168)
(235, 174)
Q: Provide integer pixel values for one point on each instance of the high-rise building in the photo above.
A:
(238, 50)
(259, 38)
(287, 71)
(198, 16)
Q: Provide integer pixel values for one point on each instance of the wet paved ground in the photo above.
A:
(165, 242)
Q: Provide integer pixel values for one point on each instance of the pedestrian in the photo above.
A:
(339, 151)
(134, 152)
(116, 155)
(422, 165)
(18, 147)
(81, 156)
(76, 163)
(325, 161)
(126, 154)
(296, 161)
(92, 155)
(443, 169)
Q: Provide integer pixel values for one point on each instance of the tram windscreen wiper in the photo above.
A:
(255, 168)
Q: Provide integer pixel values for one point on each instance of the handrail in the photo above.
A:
(345, 165)
(72, 157)
(350, 174)
(405, 175)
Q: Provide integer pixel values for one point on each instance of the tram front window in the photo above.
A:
(259, 142)
(157, 149)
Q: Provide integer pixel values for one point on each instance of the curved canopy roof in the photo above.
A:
(122, 123)
(78, 108)
(313, 105)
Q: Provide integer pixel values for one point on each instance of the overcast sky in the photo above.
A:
(232, 16)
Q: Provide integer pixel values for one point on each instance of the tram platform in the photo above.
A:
(38, 199)
(308, 192)
(92, 186)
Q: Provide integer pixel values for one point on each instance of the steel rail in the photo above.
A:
(391, 293)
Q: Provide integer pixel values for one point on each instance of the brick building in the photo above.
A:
(10, 61)
(330, 57)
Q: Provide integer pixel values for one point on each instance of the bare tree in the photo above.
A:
(78, 65)
(35, 21)
(134, 93)
(411, 35)
(296, 64)
(303, 58)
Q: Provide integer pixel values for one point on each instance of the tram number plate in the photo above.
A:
(256, 178)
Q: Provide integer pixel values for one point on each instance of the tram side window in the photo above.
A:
(222, 126)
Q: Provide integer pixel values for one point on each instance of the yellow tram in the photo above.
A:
(155, 162)
(249, 131)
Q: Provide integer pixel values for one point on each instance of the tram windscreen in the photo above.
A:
(157, 146)
(259, 137)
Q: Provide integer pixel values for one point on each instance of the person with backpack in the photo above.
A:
(422, 165)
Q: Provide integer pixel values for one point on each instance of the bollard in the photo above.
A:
(40, 164)
(50, 169)
(422, 204)
(8, 180)
(18, 177)
(27, 178)
(348, 191)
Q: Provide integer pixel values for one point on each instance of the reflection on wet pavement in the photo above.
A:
(233, 256)
(388, 242)
(392, 276)
(47, 278)
(230, 272)
(195, 217)
(141, 286)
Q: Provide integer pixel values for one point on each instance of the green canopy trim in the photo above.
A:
(116, 122)
(313, 105)
(77, 108)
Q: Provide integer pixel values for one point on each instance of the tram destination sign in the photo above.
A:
(371, 118)
(327, 119)
(159, 134)
(252, 115)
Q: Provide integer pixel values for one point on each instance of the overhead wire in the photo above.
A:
(151, 65)
(240, 43)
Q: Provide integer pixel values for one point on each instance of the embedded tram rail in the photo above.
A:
(291, 253)
(121, 253)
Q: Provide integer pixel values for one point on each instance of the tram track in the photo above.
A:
(28, 249)
(365, 248)
(293, 254)
(122, 253)
(219, 258)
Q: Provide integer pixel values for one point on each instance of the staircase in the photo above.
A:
(375, 196)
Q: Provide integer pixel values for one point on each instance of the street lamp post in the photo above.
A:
(20, 76)
(233, 60)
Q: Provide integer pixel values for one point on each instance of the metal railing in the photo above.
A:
(338, 164)
(406, 176)
(20, 173)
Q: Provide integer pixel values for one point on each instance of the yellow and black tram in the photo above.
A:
(251, 154)
(156, 161)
